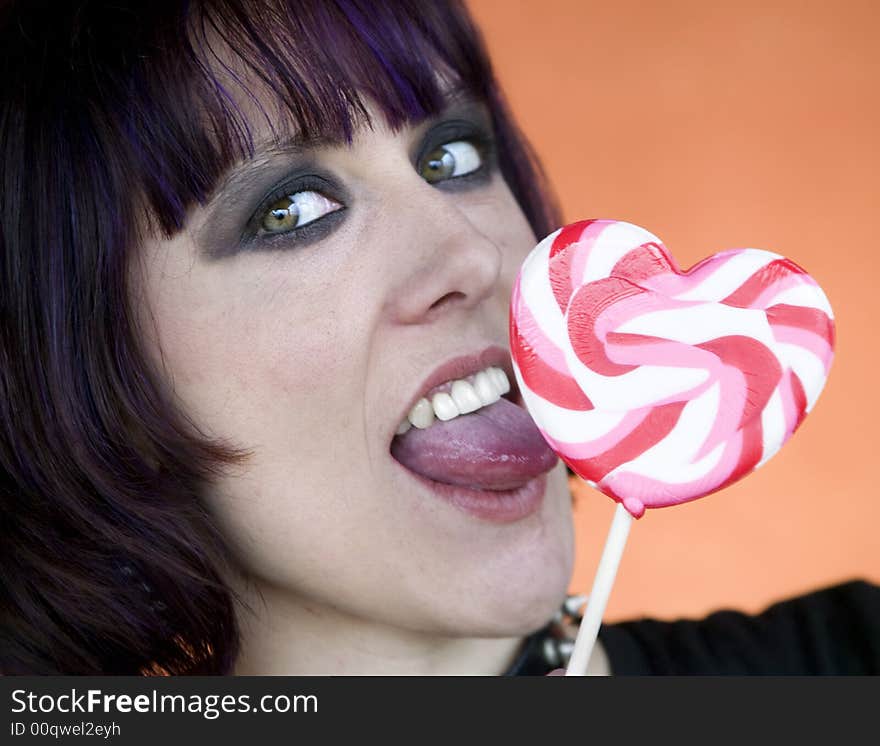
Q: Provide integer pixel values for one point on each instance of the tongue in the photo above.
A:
(495, 448)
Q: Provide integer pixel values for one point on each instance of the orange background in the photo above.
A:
(723, 125)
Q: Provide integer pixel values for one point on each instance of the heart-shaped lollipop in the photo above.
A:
(659, 386)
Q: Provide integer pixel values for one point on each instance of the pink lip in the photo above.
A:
(463, 366)
(503, 506)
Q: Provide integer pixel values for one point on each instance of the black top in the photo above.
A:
(833, 631)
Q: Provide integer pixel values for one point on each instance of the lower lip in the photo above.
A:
(495, 506)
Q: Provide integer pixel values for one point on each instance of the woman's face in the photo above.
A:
(300, 315)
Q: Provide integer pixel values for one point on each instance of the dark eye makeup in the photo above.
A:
(254, 237)
(459, 130)
(470, 134)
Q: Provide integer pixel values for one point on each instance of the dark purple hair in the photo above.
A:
(116, 118)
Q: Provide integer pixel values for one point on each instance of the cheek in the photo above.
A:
(244, 356)
(275, 366)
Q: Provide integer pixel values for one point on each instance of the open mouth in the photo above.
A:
(471, 441)
(460, 397)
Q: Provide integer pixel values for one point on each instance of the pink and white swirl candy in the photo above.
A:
(659, 386)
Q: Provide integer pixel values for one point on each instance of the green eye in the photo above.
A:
(297, 210)
(282, 216)
(449, 161)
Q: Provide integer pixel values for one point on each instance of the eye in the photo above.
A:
(296, 210)
(449, 161)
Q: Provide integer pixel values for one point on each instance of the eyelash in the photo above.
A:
(308, 183)
(441, 135)
(449, 132)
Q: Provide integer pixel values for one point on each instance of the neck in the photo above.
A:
(286, 635)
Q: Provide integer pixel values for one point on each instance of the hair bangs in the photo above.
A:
(304, 68)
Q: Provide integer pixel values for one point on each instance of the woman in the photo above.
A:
(275, 233)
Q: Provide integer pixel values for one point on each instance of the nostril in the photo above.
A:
(448, 299)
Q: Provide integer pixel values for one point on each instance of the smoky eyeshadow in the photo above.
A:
(233, 219)
(230, 226)
(299, 237)
(469, 121)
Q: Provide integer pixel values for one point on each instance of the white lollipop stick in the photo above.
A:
(602, 583)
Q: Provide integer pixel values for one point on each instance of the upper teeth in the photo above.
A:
(461, 396)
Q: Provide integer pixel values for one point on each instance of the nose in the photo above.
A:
(443, 260)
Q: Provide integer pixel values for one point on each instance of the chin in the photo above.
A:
(530, 605)
(522, 587)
